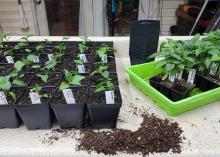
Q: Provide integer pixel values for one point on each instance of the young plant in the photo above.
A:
(38, 89)
(71, 79)
(83, 45)
(5, 85)
(176, 58)
(105, 81)
(105, 84)
(102, 69)
(104, 49)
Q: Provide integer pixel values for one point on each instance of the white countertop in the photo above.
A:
(201, 126)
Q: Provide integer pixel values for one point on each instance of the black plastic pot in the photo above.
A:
(164, 90)
(155, 82)
(144, 37)
(103, 115)
(202, 82)
(35, 116)
(8, 115)
(205, 84)
(70, 115)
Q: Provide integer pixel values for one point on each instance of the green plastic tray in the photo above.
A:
(140, 75)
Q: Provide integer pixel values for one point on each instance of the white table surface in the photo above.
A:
(201, 126)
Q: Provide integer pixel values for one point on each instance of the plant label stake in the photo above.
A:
(109, 97)
(35, 98)
(214, 69)
(171, 78)
(179, 75)
(104, 58)
(83, 57)
(3, 99)
(36, 59)
(191, 76)
(9, 59)
(81, 69)
(68, 95)
(50, 56)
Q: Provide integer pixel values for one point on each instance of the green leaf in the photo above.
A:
(80, 62)
(45, 95)
(64, 85)
(100, 89)
(68, 75)
(19, 82)
(12, 94)
(31, 57)
(169, 67)
(19, 65)
(5, 84)
(161, 63)
(215, 57)
(37, 88)
(76, 80)
(174, 55)
(43, 77)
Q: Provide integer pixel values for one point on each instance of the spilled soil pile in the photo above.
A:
(155, 135)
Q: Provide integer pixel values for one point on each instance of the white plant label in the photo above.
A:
(83, 58)
(35, 98)
(179, 75)
(158, 58)
(104, 58)
(50, 56)
(3, 99)
(109, 97)
(81, 69)
(68, 95)
(36, 59)
(9, 59)
(171, 78)
(214, 69)
(191, 76)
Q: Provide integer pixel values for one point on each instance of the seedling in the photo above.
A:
(83, 46)
(71, 79)
(38, 89)
(104, 49)
(5, 85)
(102, 69)
(176, 58)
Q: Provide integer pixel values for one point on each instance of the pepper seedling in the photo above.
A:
(5, 86)
(82, 49)
(80, 66)
(106, 84)
(71, 78)
(176, 58)
(103, 51)
(36, 94)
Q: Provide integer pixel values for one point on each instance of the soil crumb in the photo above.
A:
(155, 135)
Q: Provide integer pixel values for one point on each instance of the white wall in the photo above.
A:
(168, 14)
(163, 10)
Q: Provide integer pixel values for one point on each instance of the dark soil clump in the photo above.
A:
(154, 136)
